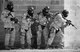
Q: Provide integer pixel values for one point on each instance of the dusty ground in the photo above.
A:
(47, 50)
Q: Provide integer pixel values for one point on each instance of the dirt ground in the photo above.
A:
(46, 50)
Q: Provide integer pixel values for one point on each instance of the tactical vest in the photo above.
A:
(5, 17)
(43, 20)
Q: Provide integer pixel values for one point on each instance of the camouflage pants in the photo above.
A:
(26, 37)
(39, 33)
(42, 33)
(9, 36)
(51, 36)
(58, 40)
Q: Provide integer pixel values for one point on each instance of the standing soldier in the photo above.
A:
(7, 18)
(26, 28)
(34, 29)
(43, 29)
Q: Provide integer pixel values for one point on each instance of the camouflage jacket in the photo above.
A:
(26, 22)
(57, 22)
(42, 19)
(6, 18)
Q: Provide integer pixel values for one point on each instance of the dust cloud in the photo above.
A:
(72, 35)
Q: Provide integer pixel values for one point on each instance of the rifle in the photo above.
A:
(71, 23)
(15, 20)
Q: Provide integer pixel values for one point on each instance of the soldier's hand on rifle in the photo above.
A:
(68, 22)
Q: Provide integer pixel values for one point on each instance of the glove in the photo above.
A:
(68, 22)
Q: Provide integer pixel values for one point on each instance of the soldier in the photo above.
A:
(34, 29)
(52, 29)
(6, 17)
(42, 28)
(26, 28)
(59, 24)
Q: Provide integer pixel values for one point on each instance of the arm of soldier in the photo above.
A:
(24, 16)
(3, 16)
(22, 22)
(65, 24)
(37, 18)
(13, 18)
(13, 14)
(29, 22)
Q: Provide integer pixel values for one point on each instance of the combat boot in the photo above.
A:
(29, 46)
(22, 46)
(38, 47)
(12, 47)
(7, 48)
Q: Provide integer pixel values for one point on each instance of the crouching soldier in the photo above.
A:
(9, 26)
(26, 28)
(60, 23)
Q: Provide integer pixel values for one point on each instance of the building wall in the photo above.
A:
(20, 6)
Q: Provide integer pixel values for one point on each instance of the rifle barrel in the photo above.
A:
(71, 24)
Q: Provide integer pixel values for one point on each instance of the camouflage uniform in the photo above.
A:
(42, 30)
(9, 28)
(42, 33)
(58, 23)
(26, 31)
(60, 33)
(34, 29)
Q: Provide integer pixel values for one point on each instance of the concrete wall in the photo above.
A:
(20, 6)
